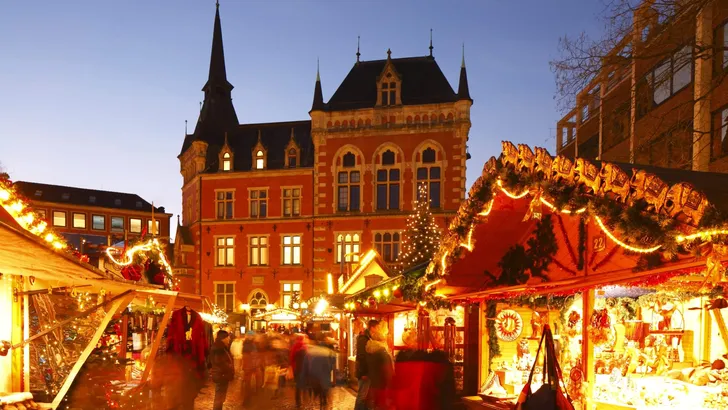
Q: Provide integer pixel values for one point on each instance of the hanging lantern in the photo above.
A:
(397, 293)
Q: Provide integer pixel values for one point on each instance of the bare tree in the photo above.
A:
(639, 32)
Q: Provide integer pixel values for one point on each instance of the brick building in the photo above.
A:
(662, 97)
(272, 209)
(87, 217)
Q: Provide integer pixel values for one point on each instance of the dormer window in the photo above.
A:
(92, 199)
(292, 158)
(227, 162)
(389, 93)
(259, 159)
(65, 196)
(117, 202)
(38, 193)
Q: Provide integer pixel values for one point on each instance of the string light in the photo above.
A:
(705, 235)
(469, 243)
(509, 194)
(563, 211)
(150, 245)
(622, 244)
(488, 208)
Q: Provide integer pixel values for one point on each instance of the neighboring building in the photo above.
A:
(271, 209)
(648, 108)
(87, 217)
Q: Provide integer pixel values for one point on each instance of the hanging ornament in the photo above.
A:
(535, 209)
(600, 327)
(508, 325)
(397, 293)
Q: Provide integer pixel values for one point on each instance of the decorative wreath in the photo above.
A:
(508, 325)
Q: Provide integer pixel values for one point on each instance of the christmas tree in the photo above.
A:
(422, 235)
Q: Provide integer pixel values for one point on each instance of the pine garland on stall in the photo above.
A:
(421, 238)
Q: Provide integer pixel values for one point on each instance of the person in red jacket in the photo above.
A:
(422, 380)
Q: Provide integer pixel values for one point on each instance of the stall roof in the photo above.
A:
(493, 220)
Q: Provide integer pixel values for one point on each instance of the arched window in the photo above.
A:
(227, 162)
(348, 247)
(387, 245)
(388, 181)
(259, 159)
(429, 174)
(258, 301)
(292, 158)
(348, 190)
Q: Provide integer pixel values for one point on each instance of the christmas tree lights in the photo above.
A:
(421, 238)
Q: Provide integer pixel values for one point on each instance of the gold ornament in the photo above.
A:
(490, 167)
(526, 159)
(683, 198)
(509, 155)
(544, 163)
(616, 181)
(648, 187)
(589, 175)
(563, 168)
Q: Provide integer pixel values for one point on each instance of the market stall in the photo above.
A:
(59, 316)
(626, 270)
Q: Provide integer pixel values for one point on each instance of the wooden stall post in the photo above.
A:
(587, 349)
(124, 336)
(122, 301)
(158, 338)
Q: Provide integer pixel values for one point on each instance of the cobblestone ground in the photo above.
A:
(341, 399)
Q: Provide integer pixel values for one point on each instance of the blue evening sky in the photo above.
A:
(96, 93)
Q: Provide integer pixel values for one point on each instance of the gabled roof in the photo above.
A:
(369, 258)
(422, 83)
(35, 191)
(274, 136)
(183, 235)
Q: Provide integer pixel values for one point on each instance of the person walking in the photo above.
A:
(318, 368)
(380, 367)
(422, 380)
(222, 369)
(250, 361)
(296, 359)
(361, 366)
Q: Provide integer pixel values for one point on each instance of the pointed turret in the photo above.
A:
(463, 89)
(218, 113)
(318, 95)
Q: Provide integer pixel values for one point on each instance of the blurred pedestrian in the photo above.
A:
(361, 366)
(380, 366)
(250, 367)
(296, 359)
(318, 368)
(422, 380)
(222, 369)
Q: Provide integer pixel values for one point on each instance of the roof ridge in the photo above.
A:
(258, 124)
(80, 188)
(425, 58)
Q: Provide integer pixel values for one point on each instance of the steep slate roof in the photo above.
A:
(81, 197)
(274, 136)
(422, 83)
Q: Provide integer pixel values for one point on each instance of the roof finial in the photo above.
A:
(178, 220)
(292, 134)
(431, 43)
(226, 142)
(318, 75)
(358, 40)
(462, 65)
(217, 4)
(185, 127)
(258, 135)
(389, 54)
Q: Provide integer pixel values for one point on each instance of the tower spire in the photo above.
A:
(358, 54)
(318, 95)
(431, 43)
(463, 89)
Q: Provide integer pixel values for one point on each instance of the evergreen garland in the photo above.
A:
(493, 346)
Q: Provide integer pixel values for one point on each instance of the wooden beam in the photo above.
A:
(117, 304)
(158, 338)
(721, 326)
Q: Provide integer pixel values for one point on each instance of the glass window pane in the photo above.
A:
(384, 98)
(394, 175)
(421, 173)
(287, 255)
(395, 237)
(229, 195)
(387, 237)
(286, 192)
(378, 237)
(221, 256)
(392, 97)
(79, 221)
(428, 155)
(98, 222)
(264, 255)
(230, 288)
(388, 158)
(434, 194)
(296, 287)
(387, 252)
(263, 209)
(343, 198)
(297, 192)
(661, 83)
(349, 160)
(296, 207)
(230, 256)
(395, 251)
(385, 86)
(286, 240)
(286, 301)
(354, 198)
(254, 256)
(117, 223)
(297, 256)
(253, 194)
(381, 196)
(229, 210)
(296, 239)
(286, 287)
(382, 175)
(683, 75)
(220, 195)
(343, 177)
(230, 241)
(354, 176)
(263, 194)
(435, 173)
(394, 196)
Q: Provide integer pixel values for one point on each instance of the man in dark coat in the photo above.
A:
(222, 370)
(361, 366)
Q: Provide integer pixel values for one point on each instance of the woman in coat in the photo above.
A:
(222, 370)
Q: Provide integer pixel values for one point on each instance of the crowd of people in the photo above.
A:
(412, 379)
(267, 361)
